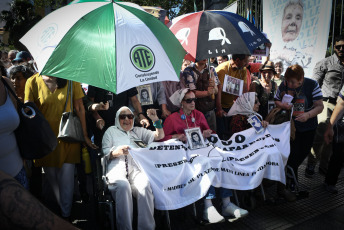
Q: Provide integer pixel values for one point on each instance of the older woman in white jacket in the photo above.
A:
(124, 176)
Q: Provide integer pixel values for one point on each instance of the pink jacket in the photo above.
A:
(175, 125)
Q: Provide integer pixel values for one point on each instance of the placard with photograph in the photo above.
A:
(140, 144)
(195, 138)
(145, 94)
(233, 85)
(256, 123)
(262, 50)
(271, 106)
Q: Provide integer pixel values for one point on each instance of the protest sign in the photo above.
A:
(298, 31)
(180, 176)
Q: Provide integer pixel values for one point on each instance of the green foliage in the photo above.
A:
(173, 7)
(231, 1)
(18, 20)
(188, 6)
(54, 4)
(168, 5)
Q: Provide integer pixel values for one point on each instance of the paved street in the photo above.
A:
(319, 211)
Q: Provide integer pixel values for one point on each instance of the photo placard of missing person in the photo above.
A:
(140, 144)
(195, 138)
(144, 94)
(233, 85)
(256, 123)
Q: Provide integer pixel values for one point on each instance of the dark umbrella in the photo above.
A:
(208, 34)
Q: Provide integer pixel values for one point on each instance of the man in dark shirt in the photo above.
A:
(105, 118)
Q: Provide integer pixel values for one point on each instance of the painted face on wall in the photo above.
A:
(291, 22)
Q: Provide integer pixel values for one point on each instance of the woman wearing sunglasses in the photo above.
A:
(125, 178)
(188, 117)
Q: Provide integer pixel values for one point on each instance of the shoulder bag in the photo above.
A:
(35, 138)
(70, 129)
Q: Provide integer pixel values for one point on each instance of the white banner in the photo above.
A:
(298, 33)
(180, 176)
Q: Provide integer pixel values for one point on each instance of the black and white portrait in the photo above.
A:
(140, 144)
(145, 95)
(195, 138)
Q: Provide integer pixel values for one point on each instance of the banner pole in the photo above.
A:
(341, 19)
(334, 22)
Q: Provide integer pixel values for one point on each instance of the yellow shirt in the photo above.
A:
(52, 105)
(227, 100)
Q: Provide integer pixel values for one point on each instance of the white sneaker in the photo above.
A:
(233, 210)
(212, 216)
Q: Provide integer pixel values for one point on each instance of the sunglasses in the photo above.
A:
(190, 100)
(123, 116)
(339, 46)
(256, 102)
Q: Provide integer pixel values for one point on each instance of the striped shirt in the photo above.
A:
(304, 96)
(341, 93)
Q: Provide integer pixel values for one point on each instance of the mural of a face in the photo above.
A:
(291, 22)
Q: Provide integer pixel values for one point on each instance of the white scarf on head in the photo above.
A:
(118, 124)
(244, 105)
(178, 96)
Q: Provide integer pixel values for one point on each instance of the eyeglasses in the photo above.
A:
(190, 100)
(256, 102)
(123, 116)
(339, 46)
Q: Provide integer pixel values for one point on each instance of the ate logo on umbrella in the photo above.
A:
(142, 58)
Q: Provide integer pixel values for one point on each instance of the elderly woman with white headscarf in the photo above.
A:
(188, 117)
(125, 178)
(244, 106)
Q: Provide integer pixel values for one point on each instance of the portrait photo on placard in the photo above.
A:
(271, 106)
(145, 94)
(140, 144)
(195, 138)
(256, 123)
(233, 85)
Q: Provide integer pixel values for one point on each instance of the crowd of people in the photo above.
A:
(115, 123)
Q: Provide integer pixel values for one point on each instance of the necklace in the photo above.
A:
(298, 93)
(183, 117)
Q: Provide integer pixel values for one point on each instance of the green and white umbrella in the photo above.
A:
(112, 45)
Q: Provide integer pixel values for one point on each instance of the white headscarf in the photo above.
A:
(244, 105)
(117, 123)
(178, 96)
